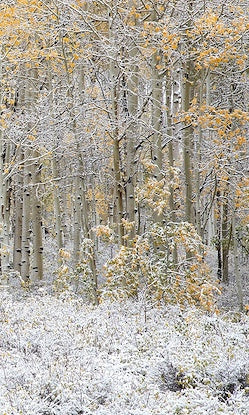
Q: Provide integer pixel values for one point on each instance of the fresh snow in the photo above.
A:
(61, 356)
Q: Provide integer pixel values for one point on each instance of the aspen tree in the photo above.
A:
(75, 98)
(57, 206)
(31, 200)
(237, 268)
(76, 191)
(26, 219)
(172, 105)
(19, 189)
(55, 166)
(156, 114)
(115, 80)
(156, 110)
(3, 220)
(132, 120)
(37, 265)
(187, 95)
(26, 196)
(18, 207)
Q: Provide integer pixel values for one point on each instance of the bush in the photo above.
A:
(167, 263)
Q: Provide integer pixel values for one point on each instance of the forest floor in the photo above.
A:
(60, 356)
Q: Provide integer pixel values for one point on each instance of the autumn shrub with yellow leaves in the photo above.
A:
(78, 279)
(166, 264)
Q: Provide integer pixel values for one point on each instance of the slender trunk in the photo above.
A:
(18, 207)
(156, 123)
(55, 173)
(17, 251)
(4, 202)
(4, 217)
(57, 208)
(37, 220)
(237, 271)
(187, 95)
(133, 128)
(88, 231)
(118, 190)
(131, 137)
(26, 217)
(226, 238)
(197, 169)
(84, 210)
(218, 238)
(171, 107)
(187, 145)
(156, 117)
(76, 219)
(7, 203)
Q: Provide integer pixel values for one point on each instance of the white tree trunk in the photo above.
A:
(37, 220)
(26, 219)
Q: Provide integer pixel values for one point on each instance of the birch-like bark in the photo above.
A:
(197, 168)
(156, 124)
(187, 144)
(218, 236)
(18, 208)
(4, 202)
(226, 236)
(172, 103)
(76, 218)
(78, 169)
(132, 132)
(57, 207)
(21, 256)
(156, 111)
(7, 203)
(114, 77)
(37, 220)
(237, 270)
(4, 213)
(55, 173)
(26, 219)
(187, 95)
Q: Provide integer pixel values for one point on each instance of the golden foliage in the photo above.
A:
(149, 266)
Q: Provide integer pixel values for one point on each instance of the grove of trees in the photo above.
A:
(124, 141)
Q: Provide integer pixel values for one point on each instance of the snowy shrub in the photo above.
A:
(166, 263)
(78, 279)
(59, 356)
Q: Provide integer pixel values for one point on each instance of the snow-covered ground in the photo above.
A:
(59, 356)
